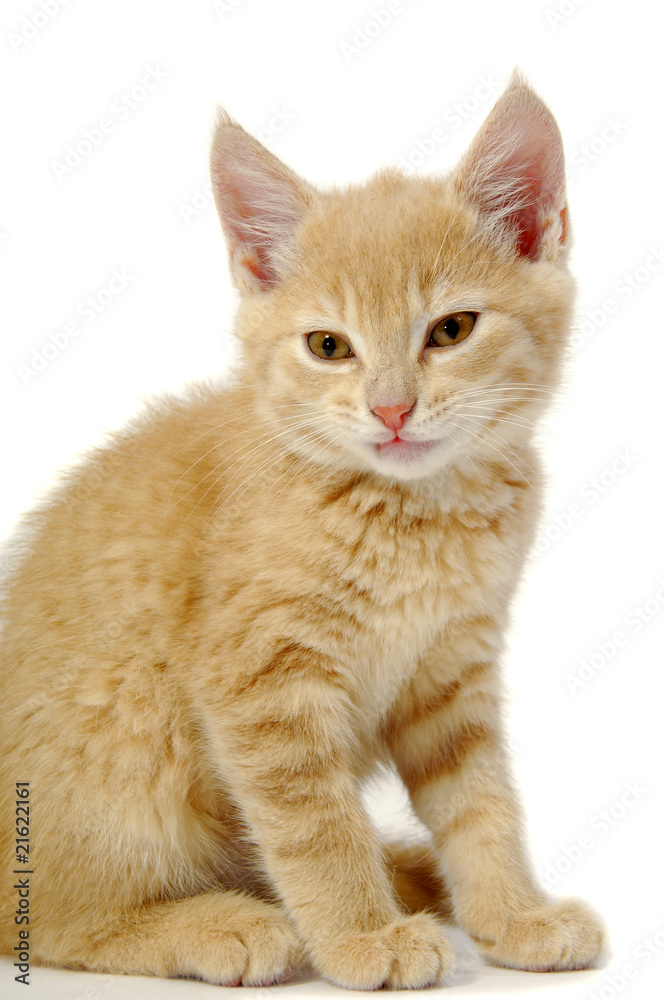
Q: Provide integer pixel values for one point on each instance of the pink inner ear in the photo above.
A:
(253, 228)
(532, 180)
(541, 181)
(526, 219)
(250, 235)
(259, 266)
(260, 203)
(515, 170)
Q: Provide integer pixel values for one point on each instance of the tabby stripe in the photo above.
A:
(316, 844)
(450, 754)
(488, 810)
(290, 660)
(423, 709)
(344, 490)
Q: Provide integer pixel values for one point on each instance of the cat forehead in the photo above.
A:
(391, 211)
(383, 248)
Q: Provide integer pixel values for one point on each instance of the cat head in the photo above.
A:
(409, 323)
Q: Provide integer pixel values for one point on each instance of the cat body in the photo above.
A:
(227, 618)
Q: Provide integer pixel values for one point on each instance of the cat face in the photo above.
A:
(409, 324)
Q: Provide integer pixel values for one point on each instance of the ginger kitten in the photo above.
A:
(225, 619)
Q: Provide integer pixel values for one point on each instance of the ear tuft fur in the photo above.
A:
(514, 172)
(260, 203)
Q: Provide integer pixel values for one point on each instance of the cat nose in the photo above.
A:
(393, 417)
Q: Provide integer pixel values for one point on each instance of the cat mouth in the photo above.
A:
(403, 448)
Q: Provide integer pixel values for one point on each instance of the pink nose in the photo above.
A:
(393, 417)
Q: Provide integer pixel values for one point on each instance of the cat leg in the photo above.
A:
(225, 938)
(286, 740)
(448, 748)
(417, 881)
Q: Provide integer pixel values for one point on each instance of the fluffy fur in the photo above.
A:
(224, 620)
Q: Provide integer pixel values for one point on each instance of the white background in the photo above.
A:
(137, 203)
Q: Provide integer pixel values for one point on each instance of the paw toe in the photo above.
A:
(562, 936)
(409, 953)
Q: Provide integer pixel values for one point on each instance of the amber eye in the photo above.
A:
(452, 329)
(328, 346)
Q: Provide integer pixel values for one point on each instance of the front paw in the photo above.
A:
(563, 935)
(409, 953)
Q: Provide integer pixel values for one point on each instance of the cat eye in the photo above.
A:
(328, 346)
(451, 329)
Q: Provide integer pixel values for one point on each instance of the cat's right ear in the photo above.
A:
(514, 172)
(260, 202)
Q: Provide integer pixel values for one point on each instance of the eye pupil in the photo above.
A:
(453, 329)
(328, 346)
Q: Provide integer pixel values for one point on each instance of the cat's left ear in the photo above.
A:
(514, 172)
(260, 203)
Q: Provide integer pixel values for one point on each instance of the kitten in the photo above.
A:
(224, 620)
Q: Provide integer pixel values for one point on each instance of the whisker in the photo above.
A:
(265, 441)
(476, 237)
(506, 386)
(432, 269)
(487, 438)
(223, 441)
(513, 420)
(327, 443)
(314, 277)
(257, 473)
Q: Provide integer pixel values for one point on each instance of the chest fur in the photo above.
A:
(369, 577)
(400, 572)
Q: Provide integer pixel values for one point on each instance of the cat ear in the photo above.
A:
(514, 172)
(260, 203)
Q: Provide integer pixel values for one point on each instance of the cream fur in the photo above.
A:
(226, 618)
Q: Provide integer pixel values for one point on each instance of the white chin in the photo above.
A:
(410, 460)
